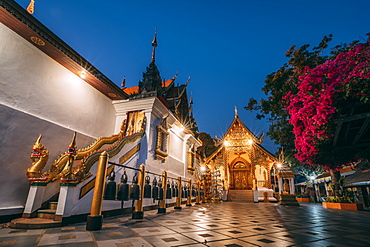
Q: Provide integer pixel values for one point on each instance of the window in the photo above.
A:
(162, 141)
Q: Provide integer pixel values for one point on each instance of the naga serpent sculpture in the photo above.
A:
(63, 167)
(39, 157)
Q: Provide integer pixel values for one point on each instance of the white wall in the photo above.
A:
(33, 83)
(39, 96)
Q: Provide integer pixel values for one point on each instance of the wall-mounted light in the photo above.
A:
(203, 168)
(278, 165)
(226, 143)
(82, 74)
(250, 141)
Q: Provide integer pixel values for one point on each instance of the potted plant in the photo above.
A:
(341, 202)
(303, 198)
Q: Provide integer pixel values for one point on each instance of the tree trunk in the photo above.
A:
(335, 176)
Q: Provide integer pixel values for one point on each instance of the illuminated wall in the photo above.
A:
(39, 96)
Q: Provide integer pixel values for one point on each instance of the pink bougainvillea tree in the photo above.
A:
(322, 91)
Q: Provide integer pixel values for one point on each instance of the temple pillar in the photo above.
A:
(292, 188)
(280, 184)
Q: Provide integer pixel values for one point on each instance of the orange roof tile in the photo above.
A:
(131, 90)
(167, 83)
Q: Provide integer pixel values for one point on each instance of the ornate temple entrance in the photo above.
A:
(241, 177)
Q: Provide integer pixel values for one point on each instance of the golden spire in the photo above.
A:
(154, 44)
(31, 7)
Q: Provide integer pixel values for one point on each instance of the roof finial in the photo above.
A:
(154, 44)
(187, 82)
(123, 84)
(236, 112)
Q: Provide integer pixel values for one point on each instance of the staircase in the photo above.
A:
(48, 213)
(45, 219)
(240, 196)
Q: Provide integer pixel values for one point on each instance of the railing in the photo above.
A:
(94, 221)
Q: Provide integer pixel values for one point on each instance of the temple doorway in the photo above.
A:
(241, 177)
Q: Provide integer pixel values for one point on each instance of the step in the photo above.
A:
(33, 223)
(53, 205)
(241, 196)
(46, 213)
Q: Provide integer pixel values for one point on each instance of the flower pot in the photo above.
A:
(303, 199)
(343, 205)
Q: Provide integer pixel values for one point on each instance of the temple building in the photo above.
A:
(244, 165)
(59, 113)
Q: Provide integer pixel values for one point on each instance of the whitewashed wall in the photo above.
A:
(39, 96)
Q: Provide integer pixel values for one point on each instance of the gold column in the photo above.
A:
(95, 219)
(139, 211)
(197, 201)
(189, 196)
(178, 199)
(204, 192)
(162, 203)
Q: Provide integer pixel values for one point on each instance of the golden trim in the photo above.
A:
(37, 41)
(129, 154)
(161, 142)
(90, 185)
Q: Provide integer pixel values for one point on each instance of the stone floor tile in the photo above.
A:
(169, 240)
(212, 225)
(65, 238)
(185, 228)
(152, 231)
(229, 243)
(265, 240)
(236, 232)
(24, 241)
(126, 242)
(9, 232)
(208, 236)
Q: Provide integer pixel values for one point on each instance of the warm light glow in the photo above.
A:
(203, 168)
(83, 74)
(226, 143)
(250, 141)
(278, 165)
(312, 177)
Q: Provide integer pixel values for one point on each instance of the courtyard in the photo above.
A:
(211, 224)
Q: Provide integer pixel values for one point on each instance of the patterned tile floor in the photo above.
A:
(225, 224)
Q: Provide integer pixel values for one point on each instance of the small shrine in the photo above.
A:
(246, 167)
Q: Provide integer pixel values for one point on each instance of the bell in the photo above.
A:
(147, 188)
(161, 190)
(173, 189)
(155, 189)
(184, 192)
(135, 189)
(169, 191)
(123, 190)
(110, 187)
(201, 193)
(193, 191)
(176, 191)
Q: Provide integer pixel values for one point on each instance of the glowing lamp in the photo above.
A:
(250, 141)
(82, 74)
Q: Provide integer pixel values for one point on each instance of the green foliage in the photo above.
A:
(278, 84)
(302, 196)
(339, 199)
(208, 144)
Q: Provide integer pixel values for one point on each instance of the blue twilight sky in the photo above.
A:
(226, 47)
